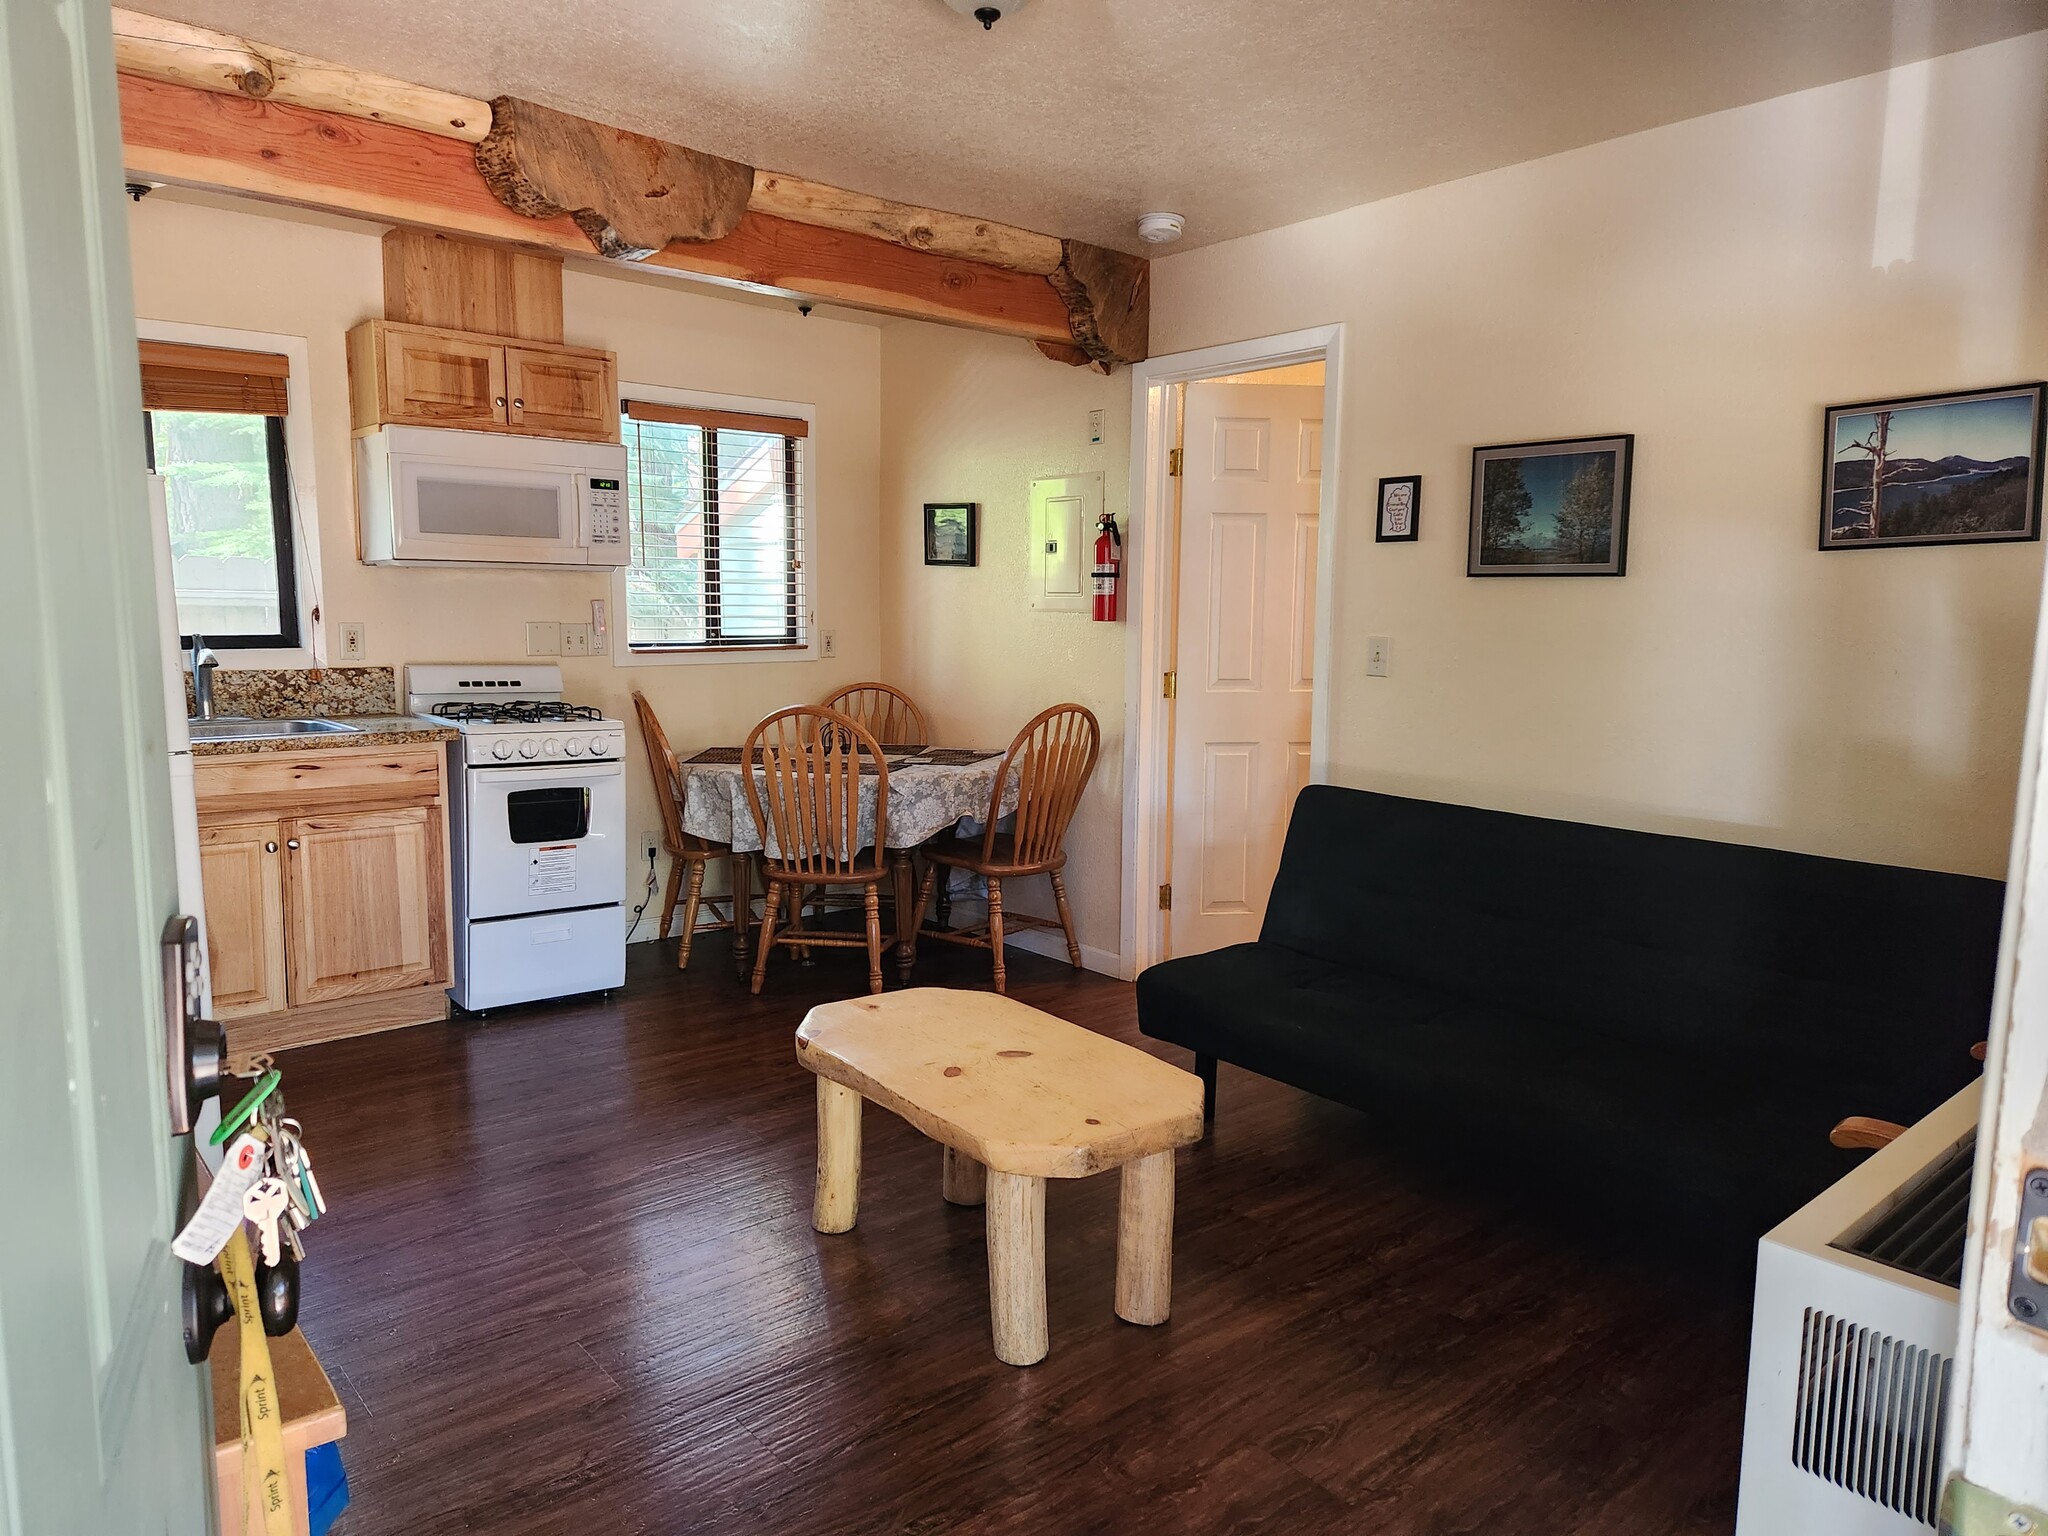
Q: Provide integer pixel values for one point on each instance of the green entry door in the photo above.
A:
(103, 1425)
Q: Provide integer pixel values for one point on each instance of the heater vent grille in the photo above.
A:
(1870, 1414)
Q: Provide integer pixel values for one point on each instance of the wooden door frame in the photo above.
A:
(1151, 557)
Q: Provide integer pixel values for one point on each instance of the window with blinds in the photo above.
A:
(214, 429)
(715, 500)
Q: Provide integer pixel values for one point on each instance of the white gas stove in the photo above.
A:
(537, 833)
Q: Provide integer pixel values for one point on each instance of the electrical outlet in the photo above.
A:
(1377, 649)
(1095, 429)
(600, 628)
(543, 639)
(650, 847)
(353, 645)
(828, 644)
(575, 639)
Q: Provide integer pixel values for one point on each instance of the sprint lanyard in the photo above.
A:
(262, 1415)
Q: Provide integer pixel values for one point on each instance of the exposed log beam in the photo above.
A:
(1109, 301)
(919, 229)
(369, 169)
(172, 52)
(630, 194)
(1073, 356)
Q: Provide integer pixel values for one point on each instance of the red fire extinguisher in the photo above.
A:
(1109, 565)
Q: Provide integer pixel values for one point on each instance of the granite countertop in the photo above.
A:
(371, 731)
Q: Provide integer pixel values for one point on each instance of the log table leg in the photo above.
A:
(1016, 1266)
(838, 1196)
(960, 1178)
(1144, 1240)
(903, 883)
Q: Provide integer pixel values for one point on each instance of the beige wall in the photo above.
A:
(204, 265)
(1710, 287)
(967, 417)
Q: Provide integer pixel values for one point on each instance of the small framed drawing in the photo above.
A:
(1551, 509)
(1934, 469)
(949, 532)
(1400, 509)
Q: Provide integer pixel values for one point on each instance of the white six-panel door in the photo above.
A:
(1245, 649)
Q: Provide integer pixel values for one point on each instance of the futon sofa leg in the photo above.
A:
(1205, 1069)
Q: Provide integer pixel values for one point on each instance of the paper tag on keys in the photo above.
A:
(221, 1211)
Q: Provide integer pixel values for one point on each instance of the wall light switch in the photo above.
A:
(575, 639)
(1377, 648)
(353, 645)
(828, 644)
(1095, 428)
(543, 639)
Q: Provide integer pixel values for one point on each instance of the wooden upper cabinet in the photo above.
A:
(433, 379)
(364, 900)
(563, 394)
(241, 866)
(427, 376)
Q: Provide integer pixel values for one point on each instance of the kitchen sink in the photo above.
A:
(263, 730)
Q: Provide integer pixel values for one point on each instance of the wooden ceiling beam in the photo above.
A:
(368, 169)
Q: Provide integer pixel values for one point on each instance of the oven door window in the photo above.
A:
(558, 815)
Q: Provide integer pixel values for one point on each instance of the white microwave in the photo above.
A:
(434, 496)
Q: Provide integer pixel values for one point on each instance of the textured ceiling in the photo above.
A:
(1074, 116)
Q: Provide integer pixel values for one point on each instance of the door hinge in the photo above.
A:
(1166, 898)
(1173, 461)
(1169, 685)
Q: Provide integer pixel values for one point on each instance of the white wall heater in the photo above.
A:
(1854, 1340)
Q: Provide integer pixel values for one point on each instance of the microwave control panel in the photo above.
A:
(605, 530)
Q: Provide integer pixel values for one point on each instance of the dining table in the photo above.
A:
(932, 791)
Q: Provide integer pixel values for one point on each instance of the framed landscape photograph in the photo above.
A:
(1551, 509)
(1400, 509)
(949, 532)
(1933, 469)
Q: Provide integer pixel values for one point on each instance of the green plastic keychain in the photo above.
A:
(252, 1101)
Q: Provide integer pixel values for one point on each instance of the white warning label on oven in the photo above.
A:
(552, 870)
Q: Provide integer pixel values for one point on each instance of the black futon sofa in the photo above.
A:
(1670, 1022)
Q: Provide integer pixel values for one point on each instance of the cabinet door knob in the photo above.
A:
(518, 404)
(291, 842)
(270, 847)
(499, 401)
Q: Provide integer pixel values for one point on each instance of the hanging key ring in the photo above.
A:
(237, 1117)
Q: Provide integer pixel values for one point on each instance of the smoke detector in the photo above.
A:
(1160, 228)
(987, 12)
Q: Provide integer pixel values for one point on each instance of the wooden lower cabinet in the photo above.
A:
(331, 921)
(242, 866)
(360, 897)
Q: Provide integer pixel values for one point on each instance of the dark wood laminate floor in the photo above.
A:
(569, 1284)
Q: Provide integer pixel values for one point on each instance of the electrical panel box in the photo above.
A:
(1064, 512)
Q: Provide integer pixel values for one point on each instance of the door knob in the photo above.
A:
(500, 400)
(194, 1048)
(518, 404)
(270, 847)
(292, 843)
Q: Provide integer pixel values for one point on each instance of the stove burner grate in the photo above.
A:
(516, 712)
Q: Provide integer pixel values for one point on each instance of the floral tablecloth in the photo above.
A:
(930, 790)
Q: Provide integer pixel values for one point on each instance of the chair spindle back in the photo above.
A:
(669, 783)
(891, 715)
(1053, 757)
(803, 785)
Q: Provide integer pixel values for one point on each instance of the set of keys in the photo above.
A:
(266, 1178)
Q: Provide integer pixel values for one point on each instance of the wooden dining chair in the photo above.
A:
(687, 852)
(891, 716)
(802, 771)
(1052, 758)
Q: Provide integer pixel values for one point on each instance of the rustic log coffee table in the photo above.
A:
(1015, 1097)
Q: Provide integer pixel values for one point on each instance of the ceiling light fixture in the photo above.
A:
(987, 12)
(1160, 228)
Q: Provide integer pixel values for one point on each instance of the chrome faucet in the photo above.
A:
(203, 663)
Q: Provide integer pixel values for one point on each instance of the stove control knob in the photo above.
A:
(551, 748)
(573, 746)
(600, 745)
(502, 747)
(529, 748)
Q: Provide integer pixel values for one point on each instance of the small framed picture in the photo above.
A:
(1934, 469)
(949, 532)
(1400, 509)
(1551, 509)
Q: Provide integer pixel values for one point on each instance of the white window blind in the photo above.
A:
(716, 505)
